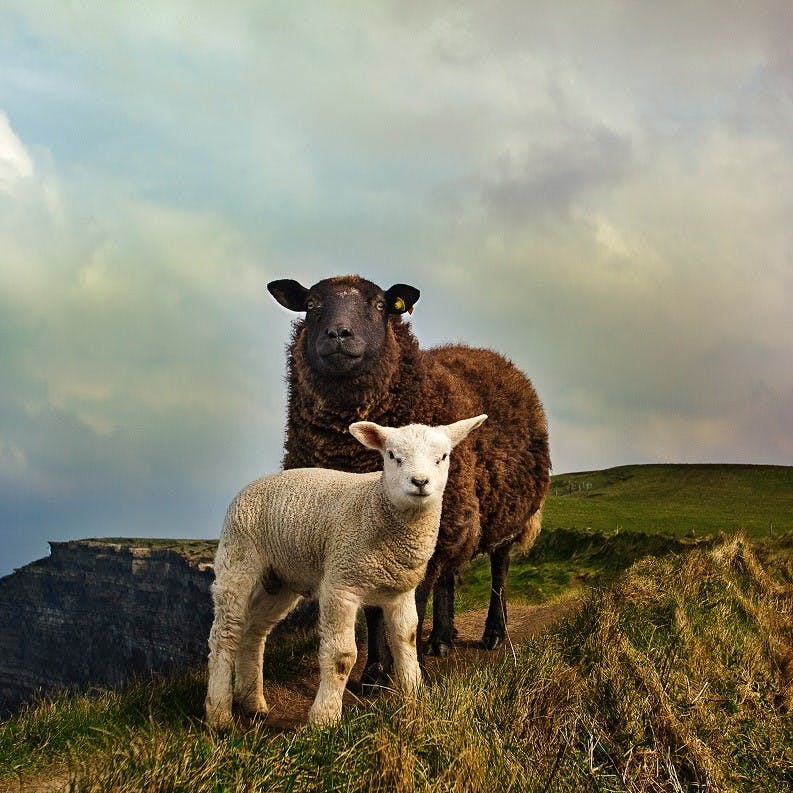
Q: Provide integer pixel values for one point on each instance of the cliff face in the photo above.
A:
(100, 612)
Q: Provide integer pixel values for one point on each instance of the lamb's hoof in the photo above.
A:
(438, 648)
(492, 639)
(373, 680)
(257, 716)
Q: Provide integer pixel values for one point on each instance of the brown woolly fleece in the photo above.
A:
(498, 478)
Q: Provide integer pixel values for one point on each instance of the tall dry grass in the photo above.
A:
(678, 678)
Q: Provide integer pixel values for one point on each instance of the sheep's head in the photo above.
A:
(346, 320)
(415, 458)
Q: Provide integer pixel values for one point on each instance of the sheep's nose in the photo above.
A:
(339, 332)
(419, 483)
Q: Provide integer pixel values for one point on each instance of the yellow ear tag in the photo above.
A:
(399, 305)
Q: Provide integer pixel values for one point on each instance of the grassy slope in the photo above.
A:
(680, 677)
(598, 523)
(675, 500)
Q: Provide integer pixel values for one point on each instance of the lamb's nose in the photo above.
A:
(419, 483)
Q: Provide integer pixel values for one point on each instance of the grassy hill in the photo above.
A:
(598, 523)
(675, 500)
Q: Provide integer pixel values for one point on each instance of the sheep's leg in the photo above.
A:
(337, 654)
(496, 622)
(230, 595)
(401, 622)
(422, 596)
(441, 639)
(265, 610)
(378, 655)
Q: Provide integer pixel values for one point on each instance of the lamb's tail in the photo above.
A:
(531, 529)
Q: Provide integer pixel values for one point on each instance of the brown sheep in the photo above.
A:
(353, 358)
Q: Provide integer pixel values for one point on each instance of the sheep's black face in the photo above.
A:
(346, 320)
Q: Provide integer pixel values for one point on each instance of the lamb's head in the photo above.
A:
(346, 320)
(415, 458)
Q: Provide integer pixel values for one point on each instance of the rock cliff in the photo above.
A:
(98, 612)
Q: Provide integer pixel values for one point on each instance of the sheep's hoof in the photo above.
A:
(373, 680)
(492, 639)
(438, 648)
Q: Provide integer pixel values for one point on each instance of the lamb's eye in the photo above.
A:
(390, 454)
(441, 459)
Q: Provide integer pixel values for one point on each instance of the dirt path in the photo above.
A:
(54, 779)
(290, 703)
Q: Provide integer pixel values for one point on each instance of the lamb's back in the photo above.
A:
(296, 519)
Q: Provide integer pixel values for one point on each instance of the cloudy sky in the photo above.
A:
(603, 191)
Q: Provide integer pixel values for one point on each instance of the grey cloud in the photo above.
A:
(595, 190)
(548, 180)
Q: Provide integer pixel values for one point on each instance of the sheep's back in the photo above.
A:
(510, 450)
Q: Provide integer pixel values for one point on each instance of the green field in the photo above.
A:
(675, 500)
(598, 523)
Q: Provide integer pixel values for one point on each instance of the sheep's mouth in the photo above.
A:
(341, 362)
(417, 494)
(340, 354)
(340, 357)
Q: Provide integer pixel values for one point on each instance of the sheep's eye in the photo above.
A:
(311, 304)
(392, 456)
(441, 459)
(380, 305)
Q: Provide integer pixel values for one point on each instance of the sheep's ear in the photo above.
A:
(400, 298)
(290, 294)
(371, 435)
(460, 429)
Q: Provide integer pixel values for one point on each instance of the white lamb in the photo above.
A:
(349, 539)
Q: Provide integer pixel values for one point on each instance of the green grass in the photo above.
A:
(676, 500)
(679, 677)
(565, 560)
(670, 501)
(598, 523)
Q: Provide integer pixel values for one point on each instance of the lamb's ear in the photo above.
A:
(371, 435)
(460, 429)
(290, 294)
(400, 298)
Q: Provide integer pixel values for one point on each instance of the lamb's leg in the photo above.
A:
(441, 639)
(402, 626)
(266, 609)
(230, 595)
(378, 658)
(496, 622)
(337, 654)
